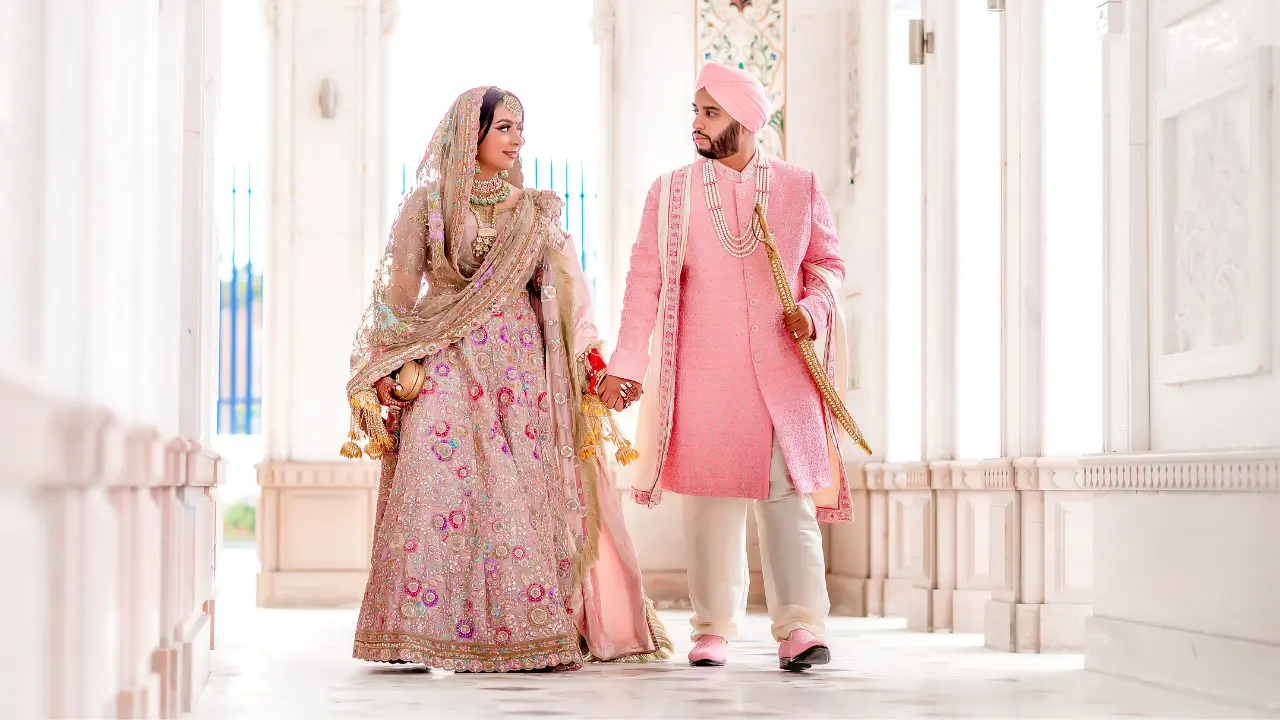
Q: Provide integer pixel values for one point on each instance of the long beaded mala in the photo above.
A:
(738, 247)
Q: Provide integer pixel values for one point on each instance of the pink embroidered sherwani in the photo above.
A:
(736, 414)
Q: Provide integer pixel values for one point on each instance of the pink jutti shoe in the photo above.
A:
(709, 651)
(801, 651)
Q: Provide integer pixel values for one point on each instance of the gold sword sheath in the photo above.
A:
(819, 374)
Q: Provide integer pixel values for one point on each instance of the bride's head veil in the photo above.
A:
(450, 159)
(403, 320)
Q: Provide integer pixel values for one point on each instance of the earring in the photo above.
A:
(477, 170)
(504, 174)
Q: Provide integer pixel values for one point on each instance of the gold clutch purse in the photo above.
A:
(411, 378)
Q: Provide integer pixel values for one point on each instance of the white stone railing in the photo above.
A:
(107, 541)
(1001, 547)
(315, 532)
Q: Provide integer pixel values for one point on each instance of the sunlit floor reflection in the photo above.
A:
(297, 663)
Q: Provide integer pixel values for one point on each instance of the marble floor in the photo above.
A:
(296, 663)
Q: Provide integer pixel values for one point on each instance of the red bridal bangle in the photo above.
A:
(595, 369)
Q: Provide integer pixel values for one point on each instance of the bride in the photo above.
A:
(499, 542)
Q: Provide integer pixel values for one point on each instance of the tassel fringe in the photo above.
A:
(600, 429)
(663, 648)
(366, 421)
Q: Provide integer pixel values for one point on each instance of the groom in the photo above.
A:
(733, 418)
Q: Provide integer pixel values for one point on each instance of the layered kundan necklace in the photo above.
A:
(739, 247)
(486, 195)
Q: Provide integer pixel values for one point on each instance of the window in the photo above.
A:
(978, 231)
(904, 414)
(241, 225)
(1073, 220)
(551, 62)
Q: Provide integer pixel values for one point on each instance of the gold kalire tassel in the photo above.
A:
(366, 416)
(601, 428)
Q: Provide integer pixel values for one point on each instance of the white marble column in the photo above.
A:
(1041, 522)
(92, 108)
(328, 226)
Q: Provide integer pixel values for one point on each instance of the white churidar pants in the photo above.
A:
(795, 582)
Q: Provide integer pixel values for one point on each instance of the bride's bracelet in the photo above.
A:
(595, 368)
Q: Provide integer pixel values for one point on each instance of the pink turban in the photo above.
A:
(738, 92)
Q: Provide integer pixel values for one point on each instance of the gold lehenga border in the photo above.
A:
(475, 657)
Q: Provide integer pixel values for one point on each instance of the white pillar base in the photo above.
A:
(1241, 670)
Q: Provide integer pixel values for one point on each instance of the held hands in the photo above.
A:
(799, 325)
(386, 388)
(617, 393)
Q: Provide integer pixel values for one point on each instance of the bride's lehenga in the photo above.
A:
(495, 549)
(471, 564)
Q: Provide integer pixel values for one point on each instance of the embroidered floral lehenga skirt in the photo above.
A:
(471, 561)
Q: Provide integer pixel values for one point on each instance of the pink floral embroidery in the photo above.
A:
(442, 428)
(457, 519)
(411, 545)
(536, 592)
(412, 587)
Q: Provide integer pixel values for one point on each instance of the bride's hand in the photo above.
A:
(386, 388)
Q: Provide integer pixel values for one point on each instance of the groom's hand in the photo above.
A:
(617, 393)
(799, 324)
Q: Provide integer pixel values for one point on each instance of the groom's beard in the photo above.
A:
(725, 144)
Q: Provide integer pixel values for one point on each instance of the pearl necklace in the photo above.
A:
(739, 247)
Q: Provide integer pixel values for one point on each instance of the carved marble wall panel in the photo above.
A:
(749, 34)
(1208, 39)
(1211, 235)
(1068, 547)
(973, 538)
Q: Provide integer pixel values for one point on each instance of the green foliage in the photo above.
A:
(238, 520)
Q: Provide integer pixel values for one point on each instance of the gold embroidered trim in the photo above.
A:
(388, 646)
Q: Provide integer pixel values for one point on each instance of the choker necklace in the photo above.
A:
(490, 192)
